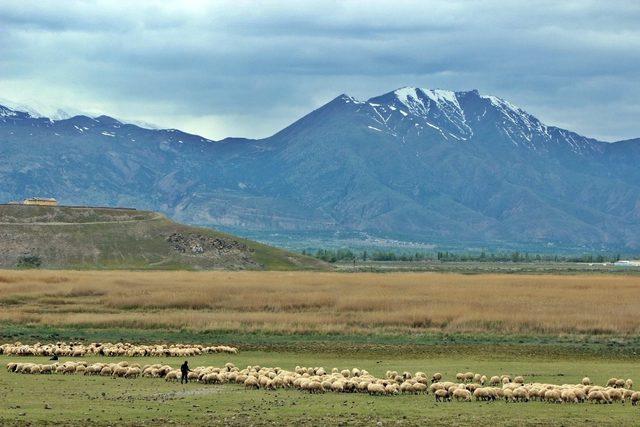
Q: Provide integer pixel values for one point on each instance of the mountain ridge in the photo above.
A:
(427, 165)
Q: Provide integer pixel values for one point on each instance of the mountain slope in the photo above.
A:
(70, 237)
(415, 164)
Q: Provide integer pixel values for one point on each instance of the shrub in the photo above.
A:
(29, 261)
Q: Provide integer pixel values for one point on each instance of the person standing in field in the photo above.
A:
(184, 368)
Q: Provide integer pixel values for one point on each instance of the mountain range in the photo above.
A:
(419, 165)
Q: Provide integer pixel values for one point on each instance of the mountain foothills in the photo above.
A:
(106, 238)
(413, 164)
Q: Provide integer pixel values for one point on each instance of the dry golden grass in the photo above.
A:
(324, 302)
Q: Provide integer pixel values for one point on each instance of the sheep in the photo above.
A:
(172, 376)
(508, 395)
(119, 371)
(392, 389)
(472, 386)
(376, 389)
(481, 394)
(132, 372)
(317, 380)
(436, 377)
(251, 382)
(568, 396)
(612, 382)
(442, 395)
(337, 386)
(495, 380)
(552, 396)
(615, 395)
(110, 349)
(521, 394)
(597, 396)
(628, 384)
(419, 388)
(462, 394)
(315, 387)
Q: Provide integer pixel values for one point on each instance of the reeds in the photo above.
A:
(301, 302)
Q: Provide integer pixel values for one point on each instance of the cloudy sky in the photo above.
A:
(249, 68)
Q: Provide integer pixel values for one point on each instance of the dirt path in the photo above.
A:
(156, 216)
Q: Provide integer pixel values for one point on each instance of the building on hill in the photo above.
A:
(40, 201)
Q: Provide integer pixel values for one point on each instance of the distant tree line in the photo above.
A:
(347, 255)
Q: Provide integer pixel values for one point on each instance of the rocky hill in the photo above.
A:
(76, 237)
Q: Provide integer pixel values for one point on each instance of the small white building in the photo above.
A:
(627, 263)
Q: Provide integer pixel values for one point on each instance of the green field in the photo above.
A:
(79, 400)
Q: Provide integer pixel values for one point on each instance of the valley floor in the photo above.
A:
(81, 400)
(548, 328)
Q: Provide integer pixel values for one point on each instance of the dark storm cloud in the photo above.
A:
(250, 68)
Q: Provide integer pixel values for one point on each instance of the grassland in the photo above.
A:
(554, 328)
(80, 400)
(325, 303)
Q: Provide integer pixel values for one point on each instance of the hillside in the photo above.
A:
(419, 165)
(76, 237)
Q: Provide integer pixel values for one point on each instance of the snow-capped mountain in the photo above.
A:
(414, 164)
(38, 110)
(459, 116)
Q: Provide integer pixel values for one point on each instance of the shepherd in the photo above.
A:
(184, 368)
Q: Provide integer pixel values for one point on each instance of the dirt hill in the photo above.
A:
(109, 238)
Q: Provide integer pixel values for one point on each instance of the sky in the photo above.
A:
(250, 68)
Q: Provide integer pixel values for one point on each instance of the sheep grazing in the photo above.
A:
(110, 349)
(597, 396)
(436, 377)
(355, 380)
(553, 396)
(442, 395)
(468, 376)
(132, 372)
(462, 394)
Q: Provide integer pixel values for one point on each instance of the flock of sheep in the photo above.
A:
(467, 387)
(109, 349)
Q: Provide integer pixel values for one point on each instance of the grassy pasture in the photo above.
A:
(79, 400)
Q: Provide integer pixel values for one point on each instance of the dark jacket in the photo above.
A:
(184, 368)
